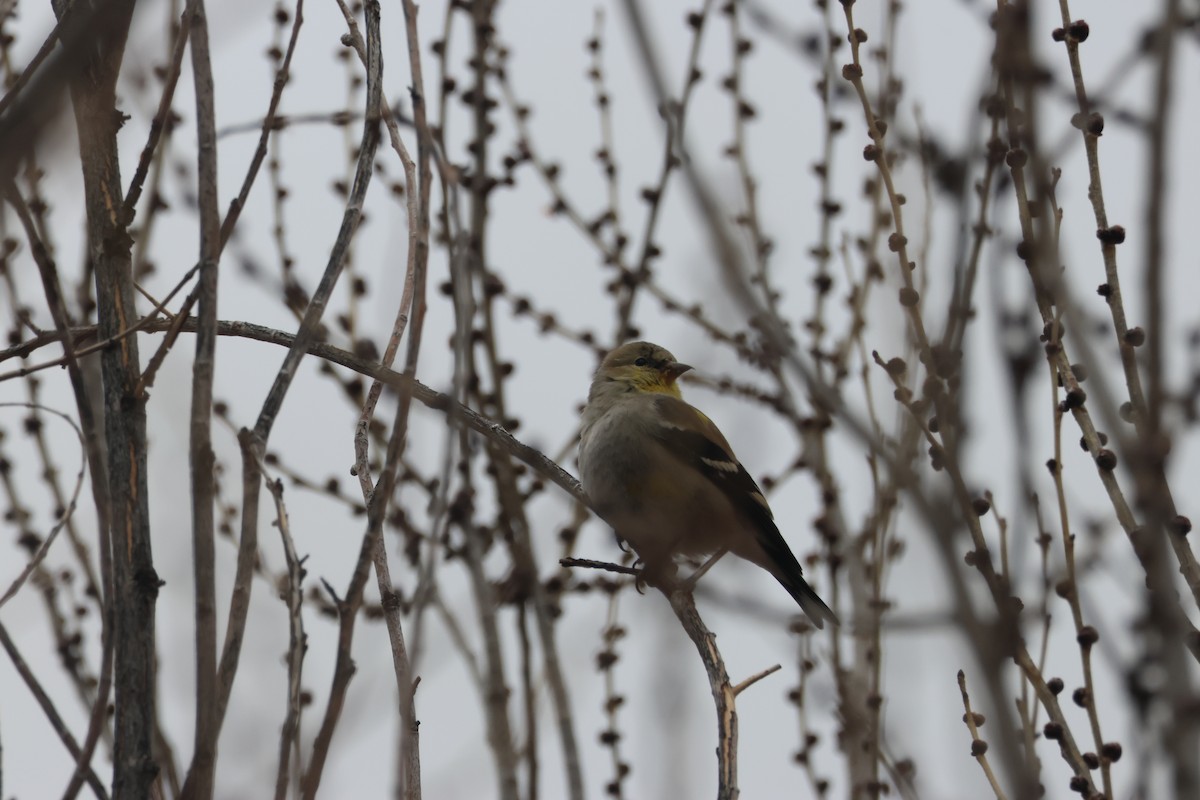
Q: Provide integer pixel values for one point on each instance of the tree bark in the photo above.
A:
(135, 582)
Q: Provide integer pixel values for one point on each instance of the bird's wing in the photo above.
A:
(693, 438)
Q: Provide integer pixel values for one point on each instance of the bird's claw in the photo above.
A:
(639, 579)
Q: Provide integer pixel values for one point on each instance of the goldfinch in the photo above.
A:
(660, 473)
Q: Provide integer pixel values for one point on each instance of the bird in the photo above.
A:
(663, 476)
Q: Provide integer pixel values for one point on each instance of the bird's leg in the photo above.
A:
(690, 583)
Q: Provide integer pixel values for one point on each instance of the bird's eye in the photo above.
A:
(641, 362)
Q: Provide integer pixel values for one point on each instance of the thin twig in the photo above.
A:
(755, 678)
(588, 563)
(297, 639)
(63, 518)
(978, 745)
(47, 706)
(199, 782)
(158, 125)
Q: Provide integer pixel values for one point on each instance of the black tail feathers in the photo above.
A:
(812, 605)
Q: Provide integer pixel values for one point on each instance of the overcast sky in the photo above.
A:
(942, 53)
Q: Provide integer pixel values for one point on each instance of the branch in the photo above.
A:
(50, 711)
(471, 419)
(412, 303)
(588, 563)
(755, 678)
(978, 745)
(199, 782)
(135, 582)
(724, 695)
(297, 639)
(66, 514)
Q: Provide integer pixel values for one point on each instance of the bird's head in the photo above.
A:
(643, 366)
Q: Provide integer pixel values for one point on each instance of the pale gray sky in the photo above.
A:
(942, 54)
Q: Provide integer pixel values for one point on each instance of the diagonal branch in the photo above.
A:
(724, 694)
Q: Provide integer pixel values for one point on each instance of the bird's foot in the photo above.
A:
(640, 580)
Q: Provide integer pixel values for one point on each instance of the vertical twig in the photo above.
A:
(199, 782)
(1150, 449)
(297, 639)
(496, 691)
(1085, 635)
(239, 603)
(529, 692)
(348, 609)
(675, 115)
(606, 661)
(978, 746)
(158, 125)
(1182, 732)
(409, 767)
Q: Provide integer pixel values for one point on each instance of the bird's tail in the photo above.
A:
(812, 605)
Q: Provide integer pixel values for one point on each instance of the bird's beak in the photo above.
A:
(673, 370)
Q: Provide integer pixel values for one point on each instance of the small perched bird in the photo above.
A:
(664, 477)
